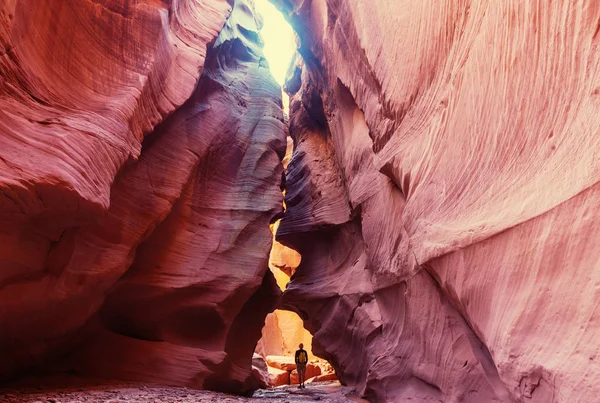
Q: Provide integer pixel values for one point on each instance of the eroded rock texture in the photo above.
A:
(443, 193)
(140, 146)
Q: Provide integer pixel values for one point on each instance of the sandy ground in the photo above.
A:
(330, 392)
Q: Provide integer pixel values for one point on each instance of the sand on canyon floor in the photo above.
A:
(89, 392)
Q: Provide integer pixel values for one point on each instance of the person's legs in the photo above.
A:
(301, 374)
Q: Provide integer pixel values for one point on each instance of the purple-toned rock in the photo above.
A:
(142, 164)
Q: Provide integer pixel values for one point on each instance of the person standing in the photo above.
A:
(301, 361)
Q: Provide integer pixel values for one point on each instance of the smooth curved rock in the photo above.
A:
(143, 255)
(441, 192)
(82, 83)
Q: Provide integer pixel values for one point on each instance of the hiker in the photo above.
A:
(301, 361)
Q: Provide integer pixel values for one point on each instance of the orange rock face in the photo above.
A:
(442, 196)
(283, 258)
(140, 167)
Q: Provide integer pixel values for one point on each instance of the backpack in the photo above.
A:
(302, 358)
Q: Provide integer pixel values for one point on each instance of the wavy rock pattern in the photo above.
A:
(441, 192)
(141, 173)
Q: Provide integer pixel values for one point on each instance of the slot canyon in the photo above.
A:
(421, 218)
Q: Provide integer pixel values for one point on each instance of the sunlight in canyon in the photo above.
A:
(278, 35)
(279, 43)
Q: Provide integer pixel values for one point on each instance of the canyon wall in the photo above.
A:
(140, 168)
(443, 193)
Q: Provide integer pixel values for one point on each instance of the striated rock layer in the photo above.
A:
(442, 195)
(140, 167)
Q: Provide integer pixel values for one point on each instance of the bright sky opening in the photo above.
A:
(278, 35)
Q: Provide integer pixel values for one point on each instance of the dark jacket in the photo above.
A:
(301, 356)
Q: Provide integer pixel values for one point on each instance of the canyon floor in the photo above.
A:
(78, 392)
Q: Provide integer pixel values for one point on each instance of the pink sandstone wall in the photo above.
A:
(442, 195)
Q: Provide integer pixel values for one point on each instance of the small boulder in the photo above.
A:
(260, 372)
(259, 362)
(278, 377)
(281, 362)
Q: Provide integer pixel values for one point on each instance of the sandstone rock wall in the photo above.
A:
(140, 149)
(282, 333)
(442, 193)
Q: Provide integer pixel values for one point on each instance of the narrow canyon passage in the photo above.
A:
(436, 239)
(284, 330)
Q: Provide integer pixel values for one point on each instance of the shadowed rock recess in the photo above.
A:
(442, 193)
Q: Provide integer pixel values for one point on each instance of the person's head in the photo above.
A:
(301, 346)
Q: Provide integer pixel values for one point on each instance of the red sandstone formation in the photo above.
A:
(278, 377)
(139, 171)
(443, 193)
(260, 371)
